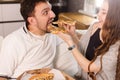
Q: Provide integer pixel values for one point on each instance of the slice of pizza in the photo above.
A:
(69, 22)
(54, 29)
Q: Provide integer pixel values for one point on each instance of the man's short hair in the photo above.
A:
(27, 7)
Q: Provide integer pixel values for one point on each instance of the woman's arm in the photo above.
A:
(83, 62)
(71, 30)
(76, 37)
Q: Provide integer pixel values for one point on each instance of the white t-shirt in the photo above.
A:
(23, 51)
(1, 39)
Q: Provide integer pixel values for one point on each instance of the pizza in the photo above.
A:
(38, 71)
(54, 29)
(69, 22)
(42, 76)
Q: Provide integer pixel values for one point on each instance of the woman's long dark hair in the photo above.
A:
(110, 35)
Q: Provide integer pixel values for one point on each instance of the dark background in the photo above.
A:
(58, 6)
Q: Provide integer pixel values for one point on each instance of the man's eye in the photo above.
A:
(45, 13)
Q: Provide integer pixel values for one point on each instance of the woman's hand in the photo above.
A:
(70, 28)
(66, 37)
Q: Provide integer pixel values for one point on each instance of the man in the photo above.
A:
(30, 47)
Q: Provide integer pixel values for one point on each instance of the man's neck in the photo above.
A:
(36, 31)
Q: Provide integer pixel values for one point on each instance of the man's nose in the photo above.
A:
(52, 14)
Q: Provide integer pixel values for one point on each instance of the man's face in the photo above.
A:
(43, 16)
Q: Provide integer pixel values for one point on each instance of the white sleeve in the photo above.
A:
(8, 59)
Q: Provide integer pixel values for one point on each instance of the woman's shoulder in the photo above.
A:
(115, 47)
(117, 43)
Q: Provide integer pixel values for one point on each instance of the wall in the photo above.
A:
(75, 5)
(10, 18)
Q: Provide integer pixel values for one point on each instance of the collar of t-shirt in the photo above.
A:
(33, 36)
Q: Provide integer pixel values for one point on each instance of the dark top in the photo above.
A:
(93, 44)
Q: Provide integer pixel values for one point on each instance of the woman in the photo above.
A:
(105, 62)
(91, 39)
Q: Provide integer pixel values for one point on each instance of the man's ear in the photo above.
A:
(31, 20)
